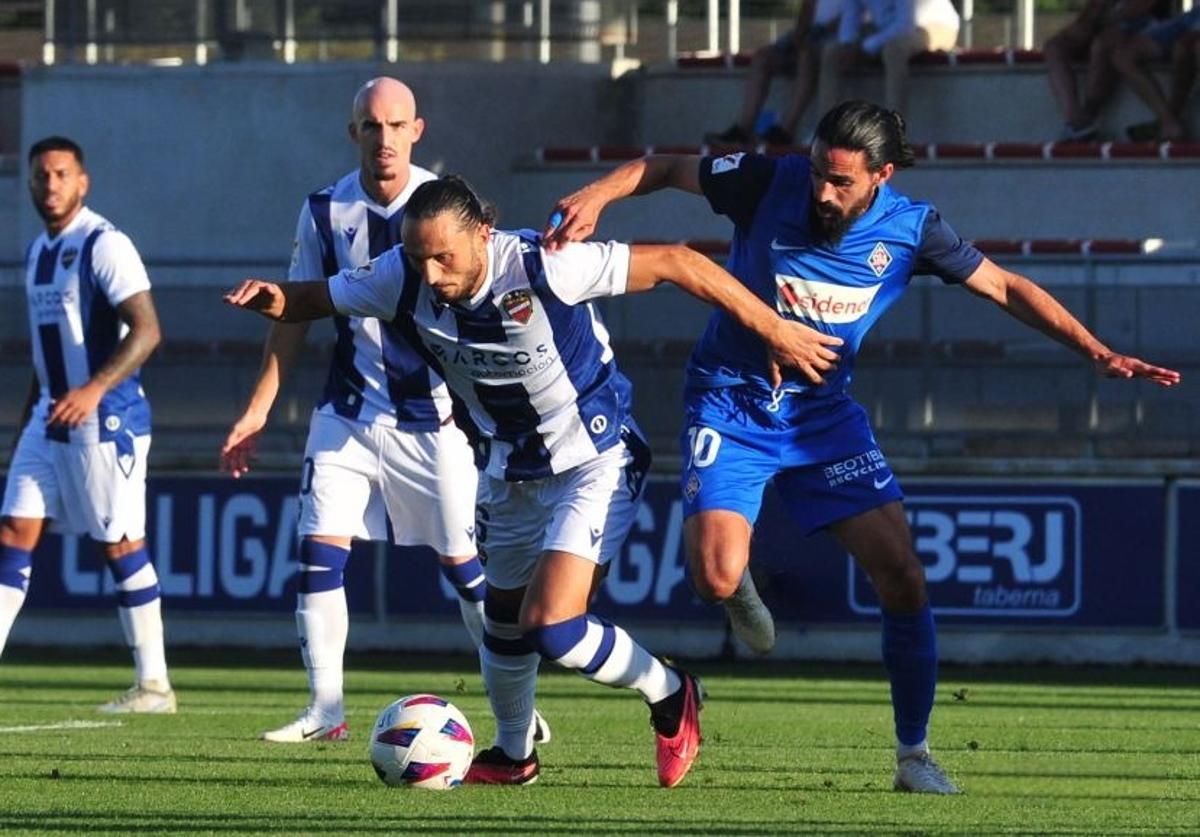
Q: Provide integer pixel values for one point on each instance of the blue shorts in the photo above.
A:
(1166, 33)
(821, 453)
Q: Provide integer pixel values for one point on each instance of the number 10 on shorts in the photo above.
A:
(704, 442)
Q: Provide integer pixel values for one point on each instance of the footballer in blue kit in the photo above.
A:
(826, 241)
(812, 438)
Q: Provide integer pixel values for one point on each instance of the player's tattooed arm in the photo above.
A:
(293, 302)
(135, 347)
(1034, 306)
(574, 217)
(789, 343)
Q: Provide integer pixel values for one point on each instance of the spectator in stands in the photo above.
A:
(1096, 31)
(1179, 38)
(898, 30)
(796, 54)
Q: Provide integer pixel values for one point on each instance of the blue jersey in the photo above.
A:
(838, 289)
(527, 358)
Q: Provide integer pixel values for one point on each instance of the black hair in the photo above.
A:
(55, 143)
(449, 193)
(855, 125)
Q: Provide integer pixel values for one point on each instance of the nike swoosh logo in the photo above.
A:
(311, 732)
(881, 483)
(775, 245)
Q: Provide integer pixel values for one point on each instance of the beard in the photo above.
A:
(469, 288)
(832, 227)
(65, 210)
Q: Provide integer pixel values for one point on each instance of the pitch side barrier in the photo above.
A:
(1029, 569)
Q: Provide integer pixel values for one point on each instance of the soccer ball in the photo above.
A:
(422, 741)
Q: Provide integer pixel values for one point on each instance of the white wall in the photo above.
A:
(202, 162)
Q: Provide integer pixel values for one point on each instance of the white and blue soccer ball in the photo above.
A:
(422, 741)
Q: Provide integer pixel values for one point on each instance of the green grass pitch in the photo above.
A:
(788, 749)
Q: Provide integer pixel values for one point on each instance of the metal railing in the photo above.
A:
(197, 31)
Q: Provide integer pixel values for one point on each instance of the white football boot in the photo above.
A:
(919, 773)
(541, 729)
(310, 725)
(149, 697)
(751, 619)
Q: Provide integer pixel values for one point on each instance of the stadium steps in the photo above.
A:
(972, 184)
(970, 95)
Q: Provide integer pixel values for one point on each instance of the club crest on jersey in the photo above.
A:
(350, 231)
(68, 257)
(879, 259)
(518, 305)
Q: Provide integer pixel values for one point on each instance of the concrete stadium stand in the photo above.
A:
(975, 95)
(993, 189)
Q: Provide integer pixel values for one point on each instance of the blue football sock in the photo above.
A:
(467, 579)
(910, 656)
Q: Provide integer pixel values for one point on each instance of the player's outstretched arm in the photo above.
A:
(577, 214)
(294, 302)
(1034, 306)
(284, 342)
(790, 343)
(135, 347)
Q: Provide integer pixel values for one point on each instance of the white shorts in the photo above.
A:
(84, 488)
(357, 477)
(586, 511)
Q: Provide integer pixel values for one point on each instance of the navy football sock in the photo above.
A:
(910, 656)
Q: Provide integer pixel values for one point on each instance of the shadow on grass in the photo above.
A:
(372, 823)
(1116, 677)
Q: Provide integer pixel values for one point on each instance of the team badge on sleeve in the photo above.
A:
(727, 163)
(518, 305)
(360, 273)
(879, 259)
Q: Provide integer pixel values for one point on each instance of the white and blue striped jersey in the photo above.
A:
(374, 377)
(74, 283)
(527, 359)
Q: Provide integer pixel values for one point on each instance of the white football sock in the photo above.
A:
(905, 750)
(472, 617)
(606, 653)
(323, 622)
(511, 683)
(140, 611)
(11, 599)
